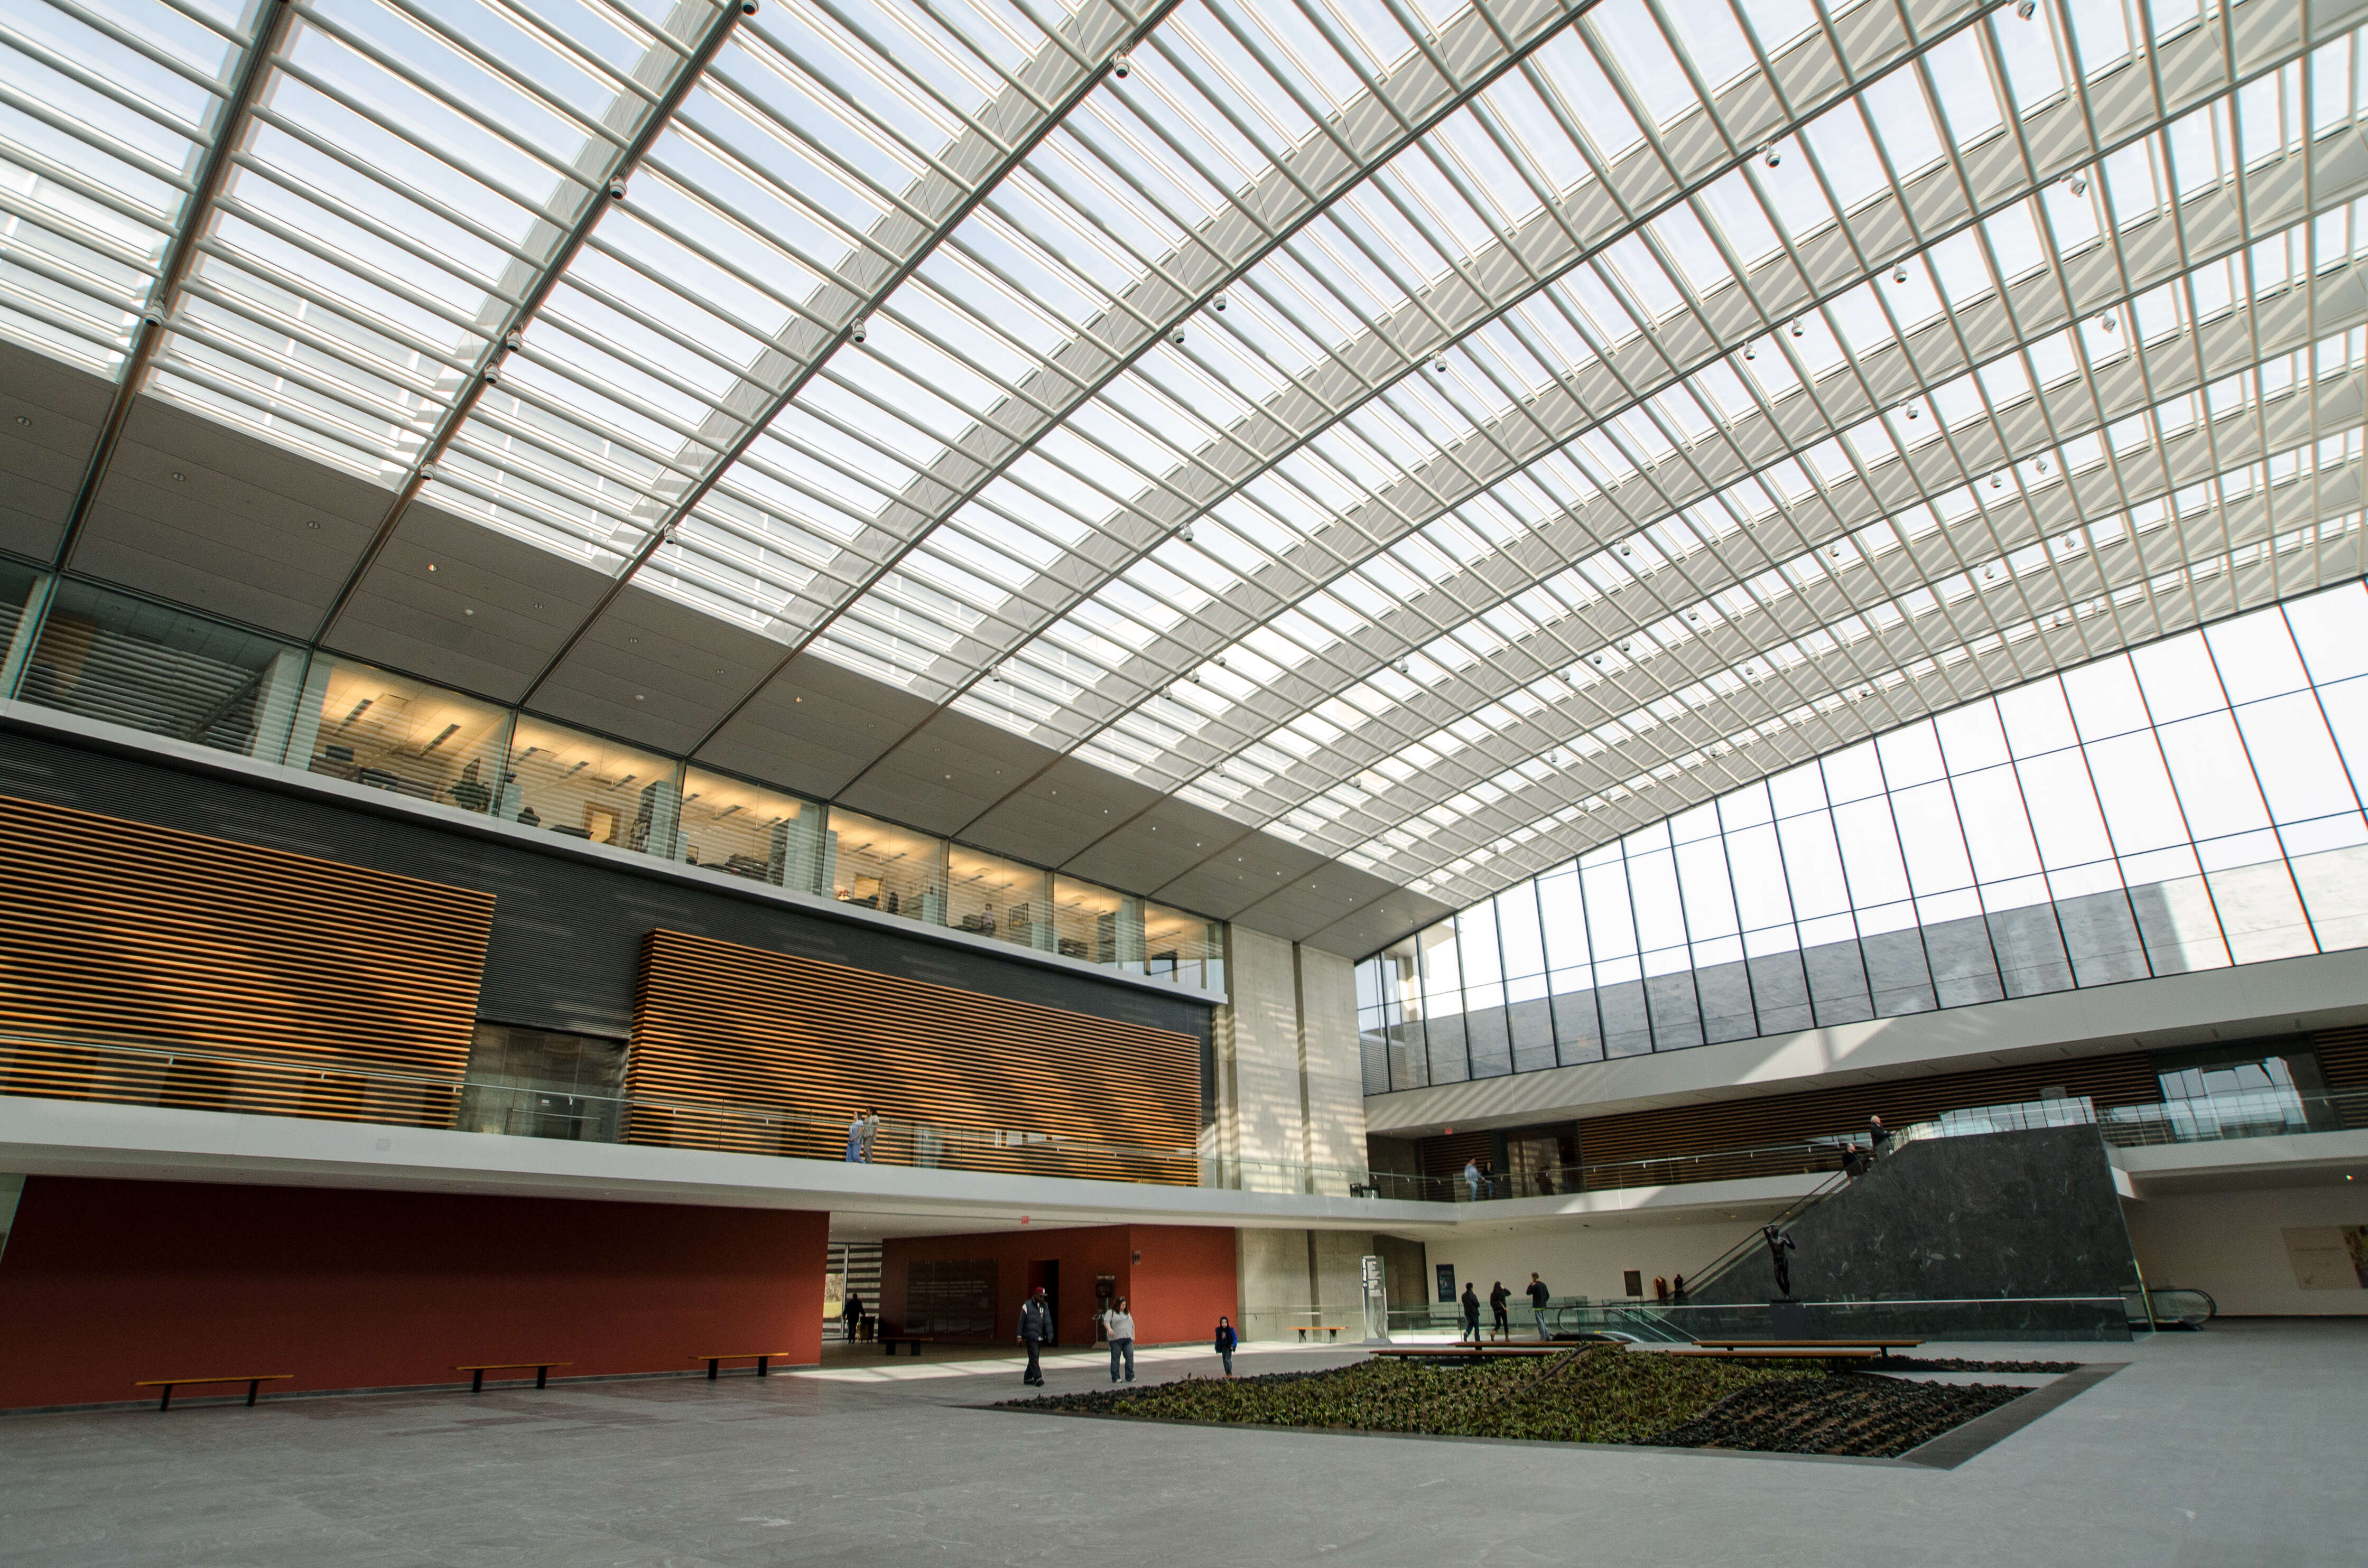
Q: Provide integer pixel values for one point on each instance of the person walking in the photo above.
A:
(1471, 1178)
(1678, 1290)
(1227, 1343)
(1880, 1135)
(1539, 1296)
(1035, 1330)
(1118, 1324)
(855, 1138)
(1471, 1314)
(850, 1313)
(1501, 1320)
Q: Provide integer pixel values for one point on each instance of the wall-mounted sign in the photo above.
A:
(1447, 1281)
(2328, 1258)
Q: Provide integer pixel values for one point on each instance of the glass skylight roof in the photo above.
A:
(1442, 435)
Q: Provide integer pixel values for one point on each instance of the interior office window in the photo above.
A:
(991, 897)
(124, 661)
(891, 869)
(391, 733)
(746, 830)
(582, 785)
(1085, 921)
(18, 587)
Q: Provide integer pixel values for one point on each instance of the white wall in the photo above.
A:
(1335, 1070)
(1578, 1257)
(2232, 1245)
(1290, 1086)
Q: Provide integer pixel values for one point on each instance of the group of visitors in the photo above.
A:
(1500, 1301)
(862, 1136)
(1480, 1178)
(1856, 1161)
(1037, 1330)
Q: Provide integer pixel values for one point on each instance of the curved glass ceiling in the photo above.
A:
(1443, 436)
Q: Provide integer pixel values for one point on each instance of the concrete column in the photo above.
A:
(1332, 1072)
(279, 704)
(1258, 1079)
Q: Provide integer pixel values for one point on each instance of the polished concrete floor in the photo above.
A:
(2241, 1447)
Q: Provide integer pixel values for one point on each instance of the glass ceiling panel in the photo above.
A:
(106, 107)
(1411, 430)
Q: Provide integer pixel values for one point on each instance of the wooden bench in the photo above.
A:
(759, 1356)
(1885, 1346)
(541, 1372)
(914, 1340)
(168, 1384)
(1331, 1328)
(1469, 1351)
(1770, 1353)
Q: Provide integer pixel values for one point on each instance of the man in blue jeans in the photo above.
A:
(1119, 1324)
(1539, 1297)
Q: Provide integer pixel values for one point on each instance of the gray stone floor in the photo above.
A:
(2246, 1445)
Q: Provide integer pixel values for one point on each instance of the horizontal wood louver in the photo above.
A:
(150, 966)
(1726, 1128)
(2343, 1062)
(739, 1048)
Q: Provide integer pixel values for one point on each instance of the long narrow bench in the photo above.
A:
(916, 1340)
(1885, 1346)
(1305, 1329)
(250, 1379)
(541, 1372)
(1769, 1353)
(760, 1357)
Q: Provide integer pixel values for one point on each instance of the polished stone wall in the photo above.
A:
(2027, 1214)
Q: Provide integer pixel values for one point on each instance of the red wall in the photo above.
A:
(1184, 1283)
(107, 1282)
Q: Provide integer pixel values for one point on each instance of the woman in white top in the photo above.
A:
(1119, 1324)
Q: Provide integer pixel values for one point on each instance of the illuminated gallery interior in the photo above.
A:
(741, 743)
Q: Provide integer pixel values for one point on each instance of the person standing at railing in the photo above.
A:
(855, 1138)
(1879, 1135)
(870, 1134)
(1539, 1296)
(1118, 1324)
(1471, 1178)
(1228, 1342)
(1471, 1301)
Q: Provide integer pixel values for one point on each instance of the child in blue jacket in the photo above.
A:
(1226, 1340)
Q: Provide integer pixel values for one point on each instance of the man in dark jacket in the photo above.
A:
(1539, 1297)
(1880, 1136)
(1471, 1313)
(1035, 1330)
(852, 1316)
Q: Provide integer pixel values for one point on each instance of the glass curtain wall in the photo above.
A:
(2191, 804)
(124, 661)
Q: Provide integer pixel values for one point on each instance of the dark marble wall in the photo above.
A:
(2023, 1214)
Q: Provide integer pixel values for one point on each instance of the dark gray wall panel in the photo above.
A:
(567, 934)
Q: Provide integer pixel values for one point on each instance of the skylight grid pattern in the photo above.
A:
(1428, 434)
(107, 110)
(2282, 94)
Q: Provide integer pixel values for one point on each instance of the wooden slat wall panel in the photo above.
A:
(2343, 1061)
(742, 1029)
(2126, 1079)
(289, 980)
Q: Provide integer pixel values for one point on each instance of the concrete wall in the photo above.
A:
(1291, 1110)
(1291, 1277)
(1578, 1257)
(2232, 1245)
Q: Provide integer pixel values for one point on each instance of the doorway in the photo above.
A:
(1046, 1272)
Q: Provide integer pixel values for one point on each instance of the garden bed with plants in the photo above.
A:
(1600, 1394)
